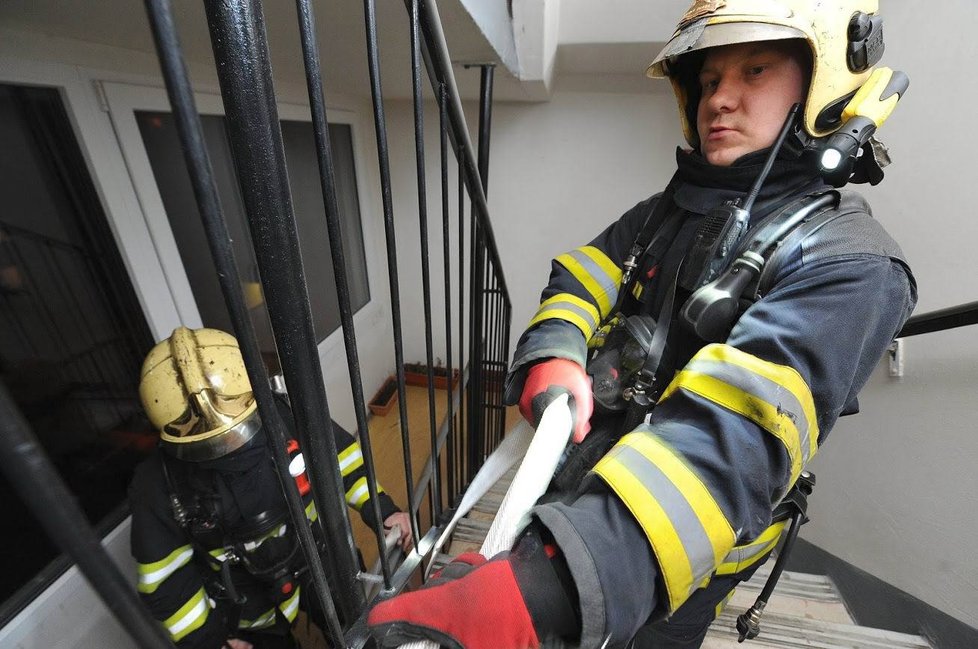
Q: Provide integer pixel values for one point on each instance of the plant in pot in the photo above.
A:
(417, 374)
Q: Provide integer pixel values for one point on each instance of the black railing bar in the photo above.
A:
(358, 635)
(485, 122)
(190, 131)
(43, 310)
(423, 233)
(443, 432)
(383, 160)
(254, 133)
(475, 432)
(487, 329)
(447, 262)
(941, 320)
(22, 333)
(324, 156)
(40, 306)
(496, 375)
(438, 62)
(42, 489)
(500, 355)
(444, 428)
(51, 241)
(492, 344)
(85, 328)
(462, 449)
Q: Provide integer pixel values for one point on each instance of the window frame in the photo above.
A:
(124, 99)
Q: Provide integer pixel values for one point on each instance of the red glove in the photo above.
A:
(547, 380)
(482, 610)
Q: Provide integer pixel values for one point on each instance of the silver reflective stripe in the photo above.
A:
(605, 283)
(349, 460)
(199, 609)
(264, 620)
(695, 541)
(763, 388)
(563, 305)
(148, 582)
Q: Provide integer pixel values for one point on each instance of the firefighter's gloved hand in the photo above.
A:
(471, 603)
(549, 379)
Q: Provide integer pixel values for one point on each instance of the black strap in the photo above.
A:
(643, 242)
(646, 390)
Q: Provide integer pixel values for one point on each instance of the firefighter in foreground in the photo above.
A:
(749, 356)
(218, 562)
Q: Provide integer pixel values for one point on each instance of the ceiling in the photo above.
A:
(339, 25)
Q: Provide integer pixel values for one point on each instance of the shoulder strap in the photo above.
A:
(646, 237)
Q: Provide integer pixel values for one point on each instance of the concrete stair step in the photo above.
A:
(793, 632)
(804, 595)
(805, 612)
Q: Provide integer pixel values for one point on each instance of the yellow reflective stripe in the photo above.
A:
(290, 607)
(358, 494)
(265, 619)
(189, 617)
(637, 289)
(151, 575)
(350, 459)
(599, 275)
(772, 396)
(784, 376)
(686, 528)
(565, 306)
(218, 554)
(744, 556)
(311, 512)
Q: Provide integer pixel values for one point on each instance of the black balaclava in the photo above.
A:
(705, 186)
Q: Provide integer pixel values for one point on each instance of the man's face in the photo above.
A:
(747, 89)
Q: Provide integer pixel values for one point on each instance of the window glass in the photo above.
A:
(159, 135)
(72, 334)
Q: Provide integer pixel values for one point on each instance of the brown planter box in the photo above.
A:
(385, 398)
(420, 378)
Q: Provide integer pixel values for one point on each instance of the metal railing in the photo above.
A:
(477, 325)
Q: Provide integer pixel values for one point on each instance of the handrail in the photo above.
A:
(941, 320)
(439, 66)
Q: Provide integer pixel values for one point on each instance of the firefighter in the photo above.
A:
(645, 553)
(218, 562)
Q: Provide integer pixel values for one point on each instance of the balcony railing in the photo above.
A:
(477, 324)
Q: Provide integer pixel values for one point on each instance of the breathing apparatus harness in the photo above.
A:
(264, 545)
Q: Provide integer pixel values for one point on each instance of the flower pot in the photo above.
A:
(417, 374)
(385, 398)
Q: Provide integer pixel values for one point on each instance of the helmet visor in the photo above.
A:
(700, 35)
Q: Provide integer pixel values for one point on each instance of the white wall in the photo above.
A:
(897, 483)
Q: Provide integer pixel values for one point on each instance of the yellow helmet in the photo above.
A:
(196, 392)
(845, 38)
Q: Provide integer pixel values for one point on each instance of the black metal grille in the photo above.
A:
(477, 325)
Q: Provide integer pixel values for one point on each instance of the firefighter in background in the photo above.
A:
(679, 510)
(218, 562)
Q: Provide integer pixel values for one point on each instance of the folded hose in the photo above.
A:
(530, 482)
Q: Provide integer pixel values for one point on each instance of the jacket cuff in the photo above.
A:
(387, 507)
(549, 339)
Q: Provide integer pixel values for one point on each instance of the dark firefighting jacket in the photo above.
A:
(182, 588)
(740, 419)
